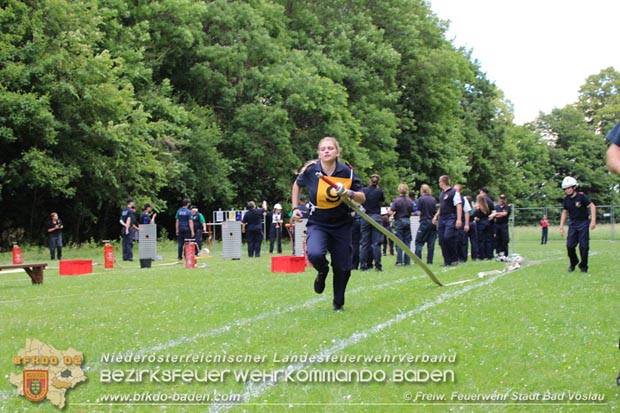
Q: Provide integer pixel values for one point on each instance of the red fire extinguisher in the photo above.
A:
(17, 254)
(190, 253)
(108, 255)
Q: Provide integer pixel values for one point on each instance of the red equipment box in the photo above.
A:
(288, 264)
(75, 267)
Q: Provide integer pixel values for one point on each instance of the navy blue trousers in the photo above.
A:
(578, 234)
(335, 239)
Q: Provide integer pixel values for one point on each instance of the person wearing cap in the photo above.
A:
(502, 237)
(329, 224)
(128, 221)
(200, 227)
(576, 207)
(275, 229)
(613, 152)
(184, 226)
(372, 238)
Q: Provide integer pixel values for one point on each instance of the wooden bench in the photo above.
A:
(34, 270)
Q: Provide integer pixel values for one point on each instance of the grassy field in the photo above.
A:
(533, 339)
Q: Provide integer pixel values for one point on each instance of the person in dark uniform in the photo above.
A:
(472, 234)
(462, 241)
(502, 236)
(329, 223)
(372, 238)
(184, 226)
(146, 217)
(252, 223)
(54, 233)
(483, 217)
(427, 231)
(576, 206)
(491, 224)
(200, 227)
(275, 229)
(356, 239)
(450, 218)
(128, 221)
(402, 209)
(613, 152)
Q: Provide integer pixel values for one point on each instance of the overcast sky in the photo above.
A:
(538, 52)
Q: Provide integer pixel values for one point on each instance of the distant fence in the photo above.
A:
(525, 222)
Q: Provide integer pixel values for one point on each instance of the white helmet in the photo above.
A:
(277, 206)
(568, 182)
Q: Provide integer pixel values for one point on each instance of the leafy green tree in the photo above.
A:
(599, 100)
(577, 151)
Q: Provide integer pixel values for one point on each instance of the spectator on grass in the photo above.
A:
(200, 227)
(402, 209)
(449, 217)
(427, 231)
(329, 224)
(252, 225)
(146, 217)
(372, 238)
(128, 222)
(275, 229)
(502, 236)
(184, 226)
(54, 233)
(463, 232)
(483, 216)
(544, 225)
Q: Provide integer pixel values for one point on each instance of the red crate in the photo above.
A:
(75, 267)
(288, 264)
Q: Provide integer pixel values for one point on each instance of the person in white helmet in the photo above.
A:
(275, 230)
(577, 207)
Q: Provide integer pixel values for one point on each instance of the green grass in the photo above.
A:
(530, 331)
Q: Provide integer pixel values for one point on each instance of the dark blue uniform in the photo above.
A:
(578, 208)
(184, 216)
(329, 225)
(54, 230)
(403, 208)
(127, 238)
(253, 220)
(427, 231)
(198, 220)
(447, 226)
(372, 238)
(502, 236)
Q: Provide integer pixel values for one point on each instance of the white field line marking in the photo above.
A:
(243, 322)
(253, 390)
(262, 316)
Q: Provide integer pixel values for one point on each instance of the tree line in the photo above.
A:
(223, 101)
